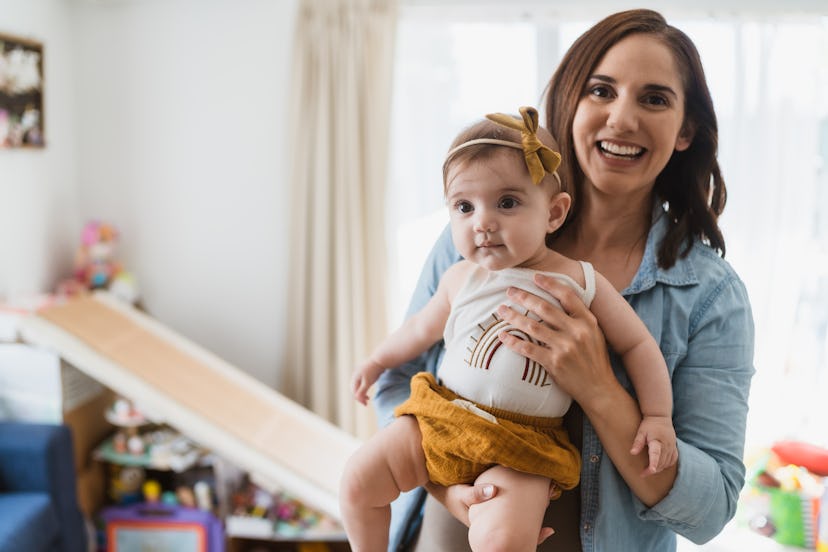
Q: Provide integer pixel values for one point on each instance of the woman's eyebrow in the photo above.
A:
(661, 88)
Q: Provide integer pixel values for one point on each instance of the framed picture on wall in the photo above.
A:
(21, 92)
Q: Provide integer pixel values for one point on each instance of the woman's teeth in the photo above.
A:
(620, 151)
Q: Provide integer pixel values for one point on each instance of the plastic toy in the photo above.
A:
(152, 490)
(810, 457)
(203, 496)
(125, 484)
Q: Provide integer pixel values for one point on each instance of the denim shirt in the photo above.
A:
(698, 312)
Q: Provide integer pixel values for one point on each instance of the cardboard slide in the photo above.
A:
(217, 405)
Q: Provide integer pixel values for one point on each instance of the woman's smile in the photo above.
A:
(618, 150)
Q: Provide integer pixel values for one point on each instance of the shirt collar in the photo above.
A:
(649, 273)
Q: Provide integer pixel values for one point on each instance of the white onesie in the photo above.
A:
(477, 367)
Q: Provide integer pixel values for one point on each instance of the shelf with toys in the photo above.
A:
(139, 442)
(287, 450)
(159, 479)
(160, 485)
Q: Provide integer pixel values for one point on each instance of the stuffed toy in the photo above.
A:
(95, 263)
(96, 266)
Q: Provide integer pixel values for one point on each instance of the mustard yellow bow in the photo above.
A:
(540, 159)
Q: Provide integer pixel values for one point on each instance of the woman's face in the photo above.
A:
(629, 119)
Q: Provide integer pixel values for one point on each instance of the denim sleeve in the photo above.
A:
(711, 387)
(392, 388)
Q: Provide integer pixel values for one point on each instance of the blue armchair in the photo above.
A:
(38, 499)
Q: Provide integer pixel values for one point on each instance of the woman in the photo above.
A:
(638, 135)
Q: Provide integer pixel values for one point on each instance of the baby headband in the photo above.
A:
(540, 159)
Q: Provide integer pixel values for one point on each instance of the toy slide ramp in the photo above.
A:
(215, 404)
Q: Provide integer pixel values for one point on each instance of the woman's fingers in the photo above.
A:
(545, 533)
(570, 301)
(553, 316)
(481, 493)
(566, 341)
(458, 498)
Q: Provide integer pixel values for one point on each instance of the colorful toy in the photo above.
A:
(161, 527)
(96, 266)
(95, 263)
(125, 483)
(152, 490)
(811, 457)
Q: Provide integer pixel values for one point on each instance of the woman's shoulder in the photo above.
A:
(709, 267)
(719, 290)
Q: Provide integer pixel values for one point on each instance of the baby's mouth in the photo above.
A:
(611, 149)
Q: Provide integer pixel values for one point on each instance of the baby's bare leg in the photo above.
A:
(511, 520)
(390, 462)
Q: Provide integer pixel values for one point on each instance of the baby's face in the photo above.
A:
(499, 218)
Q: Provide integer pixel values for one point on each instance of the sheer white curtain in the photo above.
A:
(769, 79)
(771, 100)
(339, 135)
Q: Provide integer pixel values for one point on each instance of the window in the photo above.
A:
(769, 82)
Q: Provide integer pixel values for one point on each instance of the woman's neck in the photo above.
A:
(610, 236)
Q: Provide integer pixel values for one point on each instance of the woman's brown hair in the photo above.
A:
(691, 184)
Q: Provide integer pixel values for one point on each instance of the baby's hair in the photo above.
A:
(486, 129)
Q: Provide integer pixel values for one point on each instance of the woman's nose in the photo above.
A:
(622, 116)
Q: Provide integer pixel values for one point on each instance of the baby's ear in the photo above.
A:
(558, 208)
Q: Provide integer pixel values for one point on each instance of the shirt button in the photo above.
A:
(587, 526)
(593, 458)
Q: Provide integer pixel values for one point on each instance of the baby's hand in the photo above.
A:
(364, 377)
(657, 433)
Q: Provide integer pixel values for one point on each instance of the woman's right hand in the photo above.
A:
(567, 341)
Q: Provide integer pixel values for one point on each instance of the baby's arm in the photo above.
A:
(419, 332)
(628, 336)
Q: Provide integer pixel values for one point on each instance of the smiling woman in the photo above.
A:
(755, 68)
(773, 151)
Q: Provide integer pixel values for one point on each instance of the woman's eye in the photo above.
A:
(463, 207)
(600, 91)
(656, 100)
(508, 203)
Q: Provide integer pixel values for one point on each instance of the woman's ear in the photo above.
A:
(685, 137)
(559, 205)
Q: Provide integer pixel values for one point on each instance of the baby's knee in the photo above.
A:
(500, 538)
(354, 484)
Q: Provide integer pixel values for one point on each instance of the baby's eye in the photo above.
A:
(463, 207)
(508, 203)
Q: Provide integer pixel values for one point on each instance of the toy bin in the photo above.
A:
(788, 517)
(162, 528)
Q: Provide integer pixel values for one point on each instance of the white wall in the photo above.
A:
(38, 187)
(182, 108)
(167, 118)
